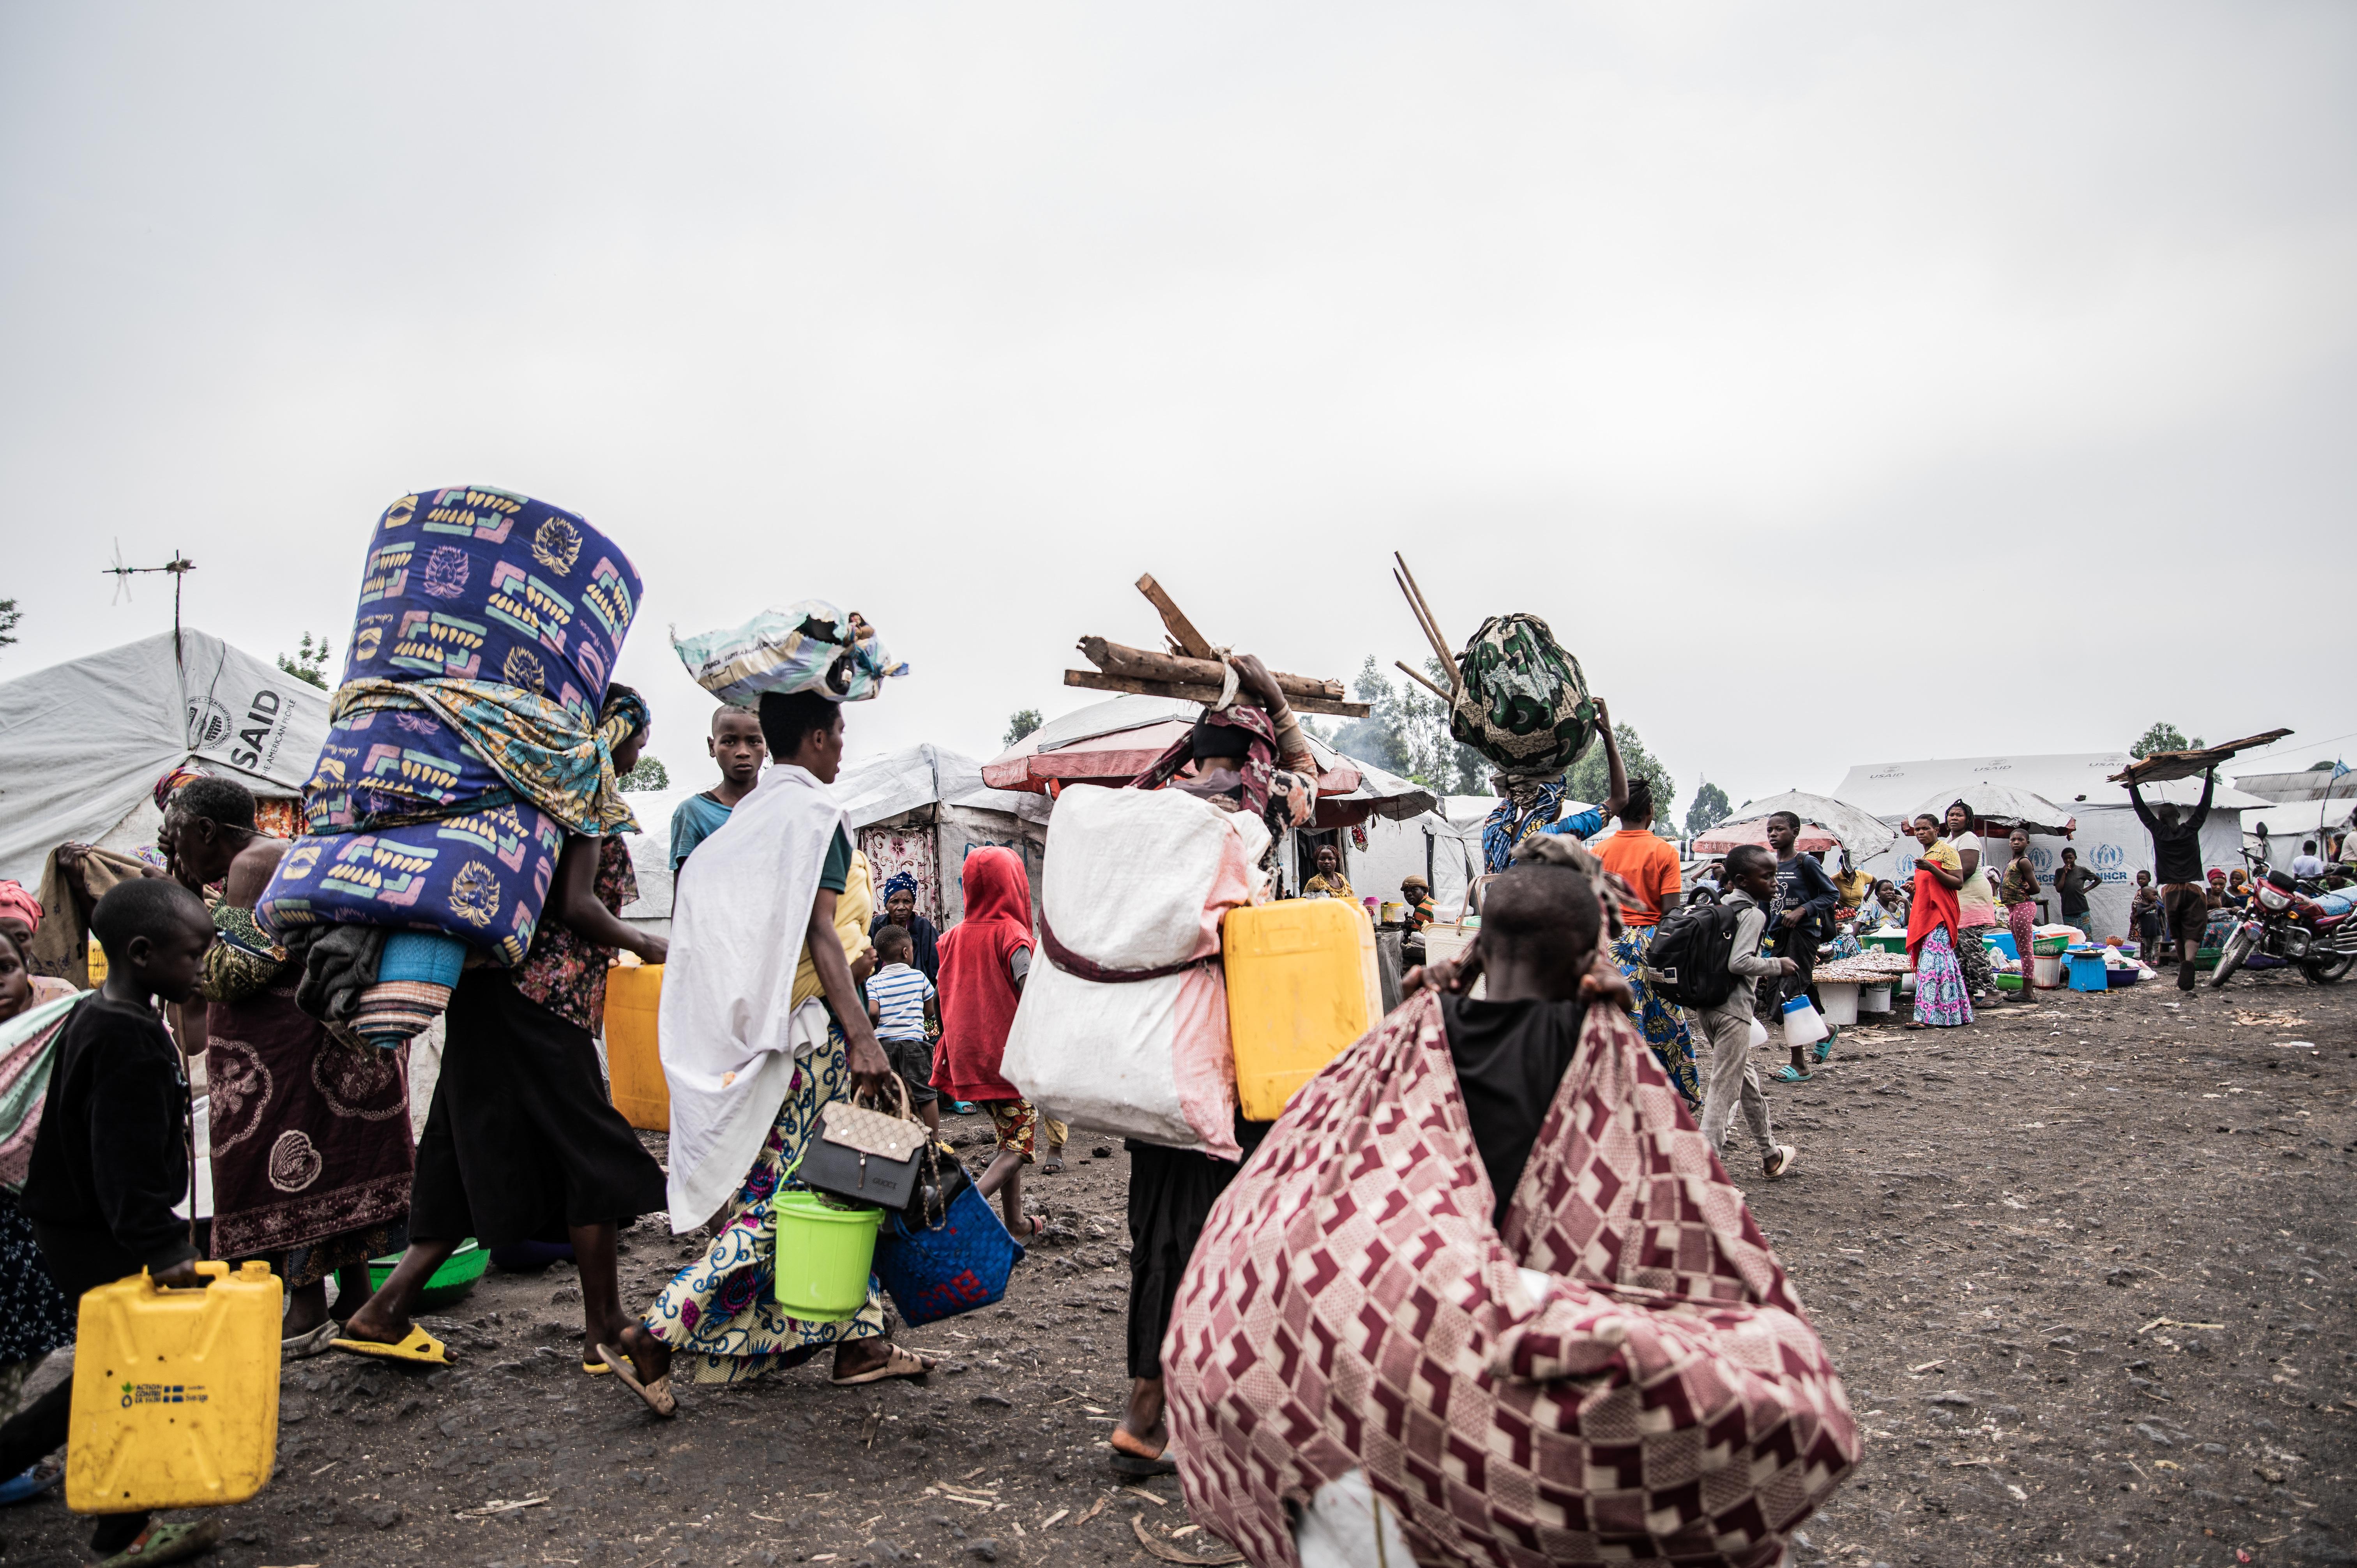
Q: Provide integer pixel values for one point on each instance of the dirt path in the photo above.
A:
(2085, 1270)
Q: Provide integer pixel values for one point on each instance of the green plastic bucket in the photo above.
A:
(824, 1256)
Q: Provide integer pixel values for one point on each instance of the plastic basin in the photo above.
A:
(450, 1282)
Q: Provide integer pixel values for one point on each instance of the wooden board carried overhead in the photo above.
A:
(2163, 765)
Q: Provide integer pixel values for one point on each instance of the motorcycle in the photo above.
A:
(2296, 921)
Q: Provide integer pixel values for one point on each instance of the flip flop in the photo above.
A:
(170, 1543)
(1824, 1049)
(1052, 1165)
(1786, 1075)
(897, 1363)
(419, 1347)
(657, 1394)
(314, 1342)
(597, 1369)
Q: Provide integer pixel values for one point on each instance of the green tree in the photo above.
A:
(1591, 777)
(1407, 733)
(1709, 810)
(310, 661)
(2163, 736)
(1021, 723)
(9, 615)
(649, 774)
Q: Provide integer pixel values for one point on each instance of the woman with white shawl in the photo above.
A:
(758, 1036)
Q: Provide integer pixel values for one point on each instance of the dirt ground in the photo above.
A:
(2085, 1269)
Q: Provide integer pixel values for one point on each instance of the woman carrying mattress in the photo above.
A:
(521, 1143)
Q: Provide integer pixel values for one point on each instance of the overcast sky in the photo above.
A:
(1842, 382)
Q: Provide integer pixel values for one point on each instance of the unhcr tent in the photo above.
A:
(81, 744)
(2110, 840)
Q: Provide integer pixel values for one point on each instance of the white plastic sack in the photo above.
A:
(808, 646)
(1347, 1526)
(1136, 879)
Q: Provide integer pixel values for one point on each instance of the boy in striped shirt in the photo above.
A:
(906, 1013)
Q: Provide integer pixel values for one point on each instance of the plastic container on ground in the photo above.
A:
(1302, 984)
(1874, 998)
(1840, 998)
(2046, 971)
(448, 1285)
(2050, 947)
(633, 1064)
(2087, 972)
(175, 1392)
(2003, 942)
(824, 1256)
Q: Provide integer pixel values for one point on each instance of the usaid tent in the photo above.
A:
(81, 744)
(2110, 840)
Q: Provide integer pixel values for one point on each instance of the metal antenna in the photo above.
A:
(180, 567)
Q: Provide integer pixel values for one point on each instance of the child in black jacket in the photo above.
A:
(108, 1162)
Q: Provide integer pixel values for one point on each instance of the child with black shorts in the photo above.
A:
(906, 1013)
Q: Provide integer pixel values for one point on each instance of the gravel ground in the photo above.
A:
(2085, 1269)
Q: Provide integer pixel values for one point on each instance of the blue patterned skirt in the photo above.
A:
(1664, 1024)
(720, 1313)
(1940, 1000)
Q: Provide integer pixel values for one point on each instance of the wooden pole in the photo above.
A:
(1143, 664)
(1420, 681)
(1191, 643)
(1097, 681)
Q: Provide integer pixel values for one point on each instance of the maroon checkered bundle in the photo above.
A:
(1350, 1306)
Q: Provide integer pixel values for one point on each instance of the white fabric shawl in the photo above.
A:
(741, 912)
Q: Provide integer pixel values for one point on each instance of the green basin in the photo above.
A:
(450, 1282)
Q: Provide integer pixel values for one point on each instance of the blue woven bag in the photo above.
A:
(957, 1267)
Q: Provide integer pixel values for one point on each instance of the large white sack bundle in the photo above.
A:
(1136, 880)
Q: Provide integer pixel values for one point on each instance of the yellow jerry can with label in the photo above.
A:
(175, 1392)
(1302, 984)
(633, 1064)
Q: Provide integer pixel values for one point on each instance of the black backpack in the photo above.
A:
(1686, 961)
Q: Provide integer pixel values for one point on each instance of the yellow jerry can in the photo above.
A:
(175, 1392)
(633, 1065)
(1302, 984)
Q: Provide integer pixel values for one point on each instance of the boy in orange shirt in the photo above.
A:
(1649, 867)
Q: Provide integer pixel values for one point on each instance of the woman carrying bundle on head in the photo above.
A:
(762, 1029)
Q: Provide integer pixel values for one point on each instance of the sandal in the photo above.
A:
(1823, 1048)
(657, 1394)
(39, 1478)
(312, 1342)
(170, 1543)
(897, 1363)
(1786, 1075)
(1053, 1164)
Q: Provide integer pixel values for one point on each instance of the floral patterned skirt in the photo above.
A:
(720, 1314)
(1663, 1023)
(1941, 999)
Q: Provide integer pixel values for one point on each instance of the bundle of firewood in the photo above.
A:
(1191, 668)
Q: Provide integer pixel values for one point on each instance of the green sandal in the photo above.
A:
(1786, 1075)
(170, 1543)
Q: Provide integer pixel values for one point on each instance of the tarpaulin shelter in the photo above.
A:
(2111, 841)
(2006, 806)
(1859, 831)
(1726, 836)
(82, 743)
(921, 809)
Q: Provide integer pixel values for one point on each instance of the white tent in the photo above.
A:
(81, 744)
(2110, 840)
(2278, 830)
(921, 808)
